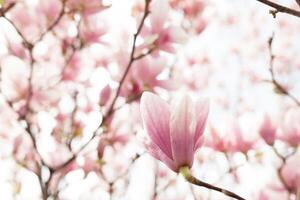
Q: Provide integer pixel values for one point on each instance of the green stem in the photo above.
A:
(186, 173)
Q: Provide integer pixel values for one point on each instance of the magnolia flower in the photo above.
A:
(105, 95)
(290, 130)
(291, 173)
(267, 130)
(175, 131)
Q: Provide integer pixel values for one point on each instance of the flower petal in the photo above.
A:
(157, 153)
(156, 115)
(202, 108)
(182, 127)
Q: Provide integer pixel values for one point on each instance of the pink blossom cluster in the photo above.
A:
(109, 99)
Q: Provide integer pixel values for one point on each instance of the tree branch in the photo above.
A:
(111, 108)
(185, 172)
(281, 8)
(274, 81)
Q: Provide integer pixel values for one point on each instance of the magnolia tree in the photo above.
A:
(149, 99)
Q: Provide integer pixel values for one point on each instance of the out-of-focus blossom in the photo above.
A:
(86, 7)
(92, 29)
(290, 130)
(192, 8)
(291, 173)
(145, 76)
(105, 95)
(14, 78)
(166, 35)
(175, 131)
(49, 9)
(236, 136)
(79, 67)
(18, 50)
(22, 152)
(90, 165)
(217, 141)
(146, 73)
(244, 134)
(267, 130)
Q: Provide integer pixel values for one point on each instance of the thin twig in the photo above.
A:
(25, 116)
(132, 56)
(4, 10)
(274, 81)
(54, 22)
(280, 8)
(111, 108)
(185, 171)
(280, 169)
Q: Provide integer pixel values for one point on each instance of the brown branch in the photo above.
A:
(25, 42)
(132, 56)
(4, 10)
(55, 22)
(274, 81)
(122, 175)
(111, 108)
(280, 8)
(280, 169)
(298, 2)
(149, 51)
(185, 171)
(25, 116)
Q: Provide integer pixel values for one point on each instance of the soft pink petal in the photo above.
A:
(167, 84)
(202, 108)
(159, 14)
(157, 153)
(156, 115)
(182, 127)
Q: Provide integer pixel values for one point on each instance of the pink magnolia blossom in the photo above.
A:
(291, 173)
(166, 35)
(175, 131)
(146, 74)
(290, 131)
(242, 142)
(234, 135)
(105, 95)
(267, 130)
(50, 9)
(218, 141)
(85, 6)
(92, 29)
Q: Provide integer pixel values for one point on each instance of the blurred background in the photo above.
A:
(73, 71)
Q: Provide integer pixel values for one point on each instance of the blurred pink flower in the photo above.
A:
(92, 28)
(165, 34)
(267, 130)
(243, 141)
(87, 7)
(217, 141)
(146, 73)
(234, 136)
(23, 153)
(291, 173)
(193, 8)
(175, 131)
(50, 9)
(290, 130)
(105, 95)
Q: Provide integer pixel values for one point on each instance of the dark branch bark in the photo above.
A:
(281, 8)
